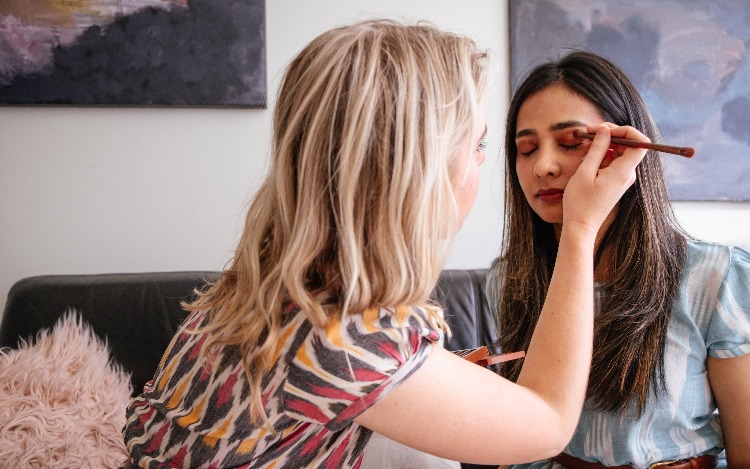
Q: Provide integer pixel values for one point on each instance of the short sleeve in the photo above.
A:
(342, 370)
(729, 331)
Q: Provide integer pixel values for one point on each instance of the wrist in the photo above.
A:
(579, 232)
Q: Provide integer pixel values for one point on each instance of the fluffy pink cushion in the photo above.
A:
(62, 403)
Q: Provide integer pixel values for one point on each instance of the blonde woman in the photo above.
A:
(321, 331)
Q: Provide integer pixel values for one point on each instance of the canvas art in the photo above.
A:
(133, 52)
(689, 60)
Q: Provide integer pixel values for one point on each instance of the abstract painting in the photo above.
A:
(133, 52)
(689, 60)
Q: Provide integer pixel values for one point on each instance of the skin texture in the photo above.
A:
(465, 177)
(730, 382)
(549, 154)
(461, 403)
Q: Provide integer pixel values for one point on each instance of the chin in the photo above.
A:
(551, 218)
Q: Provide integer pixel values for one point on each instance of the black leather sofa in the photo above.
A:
(137, 313)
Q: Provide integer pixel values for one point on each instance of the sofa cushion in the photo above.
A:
(462, 293)
(136, 314)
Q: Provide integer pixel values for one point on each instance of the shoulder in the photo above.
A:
(391, 333)
(495, 268)
(713, 260)
(379, 338)
(715, 295)
(707, 255)
(406, 325)
(338, 371)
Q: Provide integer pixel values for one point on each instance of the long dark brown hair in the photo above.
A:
(644, 246)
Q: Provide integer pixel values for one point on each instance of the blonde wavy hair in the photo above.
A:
(358, 201)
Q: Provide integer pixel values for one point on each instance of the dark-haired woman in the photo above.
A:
(672, 327)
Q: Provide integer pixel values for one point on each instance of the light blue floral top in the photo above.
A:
(710, 317)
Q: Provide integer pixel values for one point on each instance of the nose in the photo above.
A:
(546, 164)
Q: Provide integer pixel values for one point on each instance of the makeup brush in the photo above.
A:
(687, 152)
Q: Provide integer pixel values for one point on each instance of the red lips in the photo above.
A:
(550, 195)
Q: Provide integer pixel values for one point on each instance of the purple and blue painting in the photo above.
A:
(690, 61)
(133, 53)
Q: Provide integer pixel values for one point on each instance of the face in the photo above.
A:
(547, 152)
(465, 169)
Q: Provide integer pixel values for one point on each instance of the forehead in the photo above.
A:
(553, 104)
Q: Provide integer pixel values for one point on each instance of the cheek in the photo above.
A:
(570, 165)
(524, 172)
(473, 188)
(469, 188)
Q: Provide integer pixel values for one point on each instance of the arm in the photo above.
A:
(730, 383)
(454, 409)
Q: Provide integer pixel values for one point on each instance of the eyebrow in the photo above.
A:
(554, 127)
(566, 125)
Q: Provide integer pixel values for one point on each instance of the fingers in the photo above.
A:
(603, 152)
(602, 177)
(624, 131)
(627, 158)
(597, 151)
(608, 158)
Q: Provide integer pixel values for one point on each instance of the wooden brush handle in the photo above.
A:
(687, 152)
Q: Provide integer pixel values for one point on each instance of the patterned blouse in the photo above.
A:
(710, 318)
(195, 415)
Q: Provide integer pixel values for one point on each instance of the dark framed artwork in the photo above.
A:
(133, 53)
(689, 60)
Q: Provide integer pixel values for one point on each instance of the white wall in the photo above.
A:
(86, 190)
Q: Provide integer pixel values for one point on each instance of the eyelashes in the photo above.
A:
(482, 144)
(573, 147)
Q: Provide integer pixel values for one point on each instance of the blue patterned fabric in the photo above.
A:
(710, 317)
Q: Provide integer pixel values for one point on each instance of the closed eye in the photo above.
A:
(570, 147)
(526, 153)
